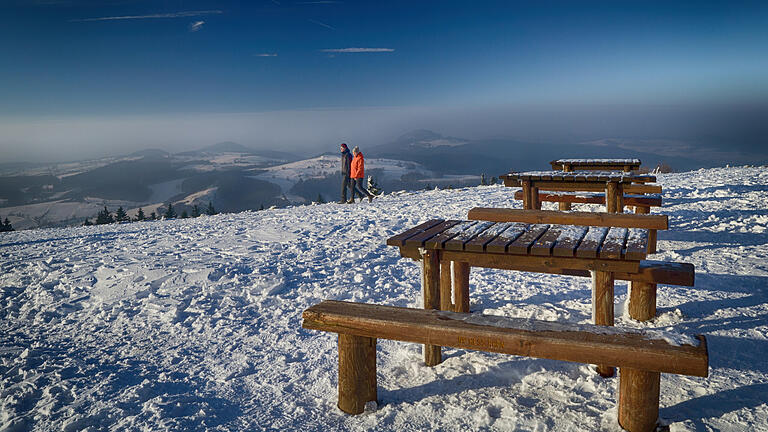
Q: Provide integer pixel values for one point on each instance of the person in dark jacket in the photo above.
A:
(346, 182)
(357, 172)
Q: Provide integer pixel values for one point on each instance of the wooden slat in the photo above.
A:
(637, 244)
(419, 239)
(457, 243)
(581, 343)
(624, 220)
(568, 240)
(613, 245)
(399, 240)
(591, 242)
(478, 243)
(543, 246)
(499, 244)
(437, 241)
(523, 244)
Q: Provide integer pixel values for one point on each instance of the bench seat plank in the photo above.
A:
(637, 244)
(543, 246)
(581, 343)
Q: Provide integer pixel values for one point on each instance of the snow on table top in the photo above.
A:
(598, 161)
(195, 324)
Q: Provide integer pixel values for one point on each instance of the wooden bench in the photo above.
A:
(640, 357)
(642, 203)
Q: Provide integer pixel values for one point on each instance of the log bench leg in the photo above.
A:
(602, 308)
(642, 301)
(357, 372)
(461, 286)
(431, 273)
(638, 399)
(564, 206)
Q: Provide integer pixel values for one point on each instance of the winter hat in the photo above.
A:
(356, 149)
(344, 145)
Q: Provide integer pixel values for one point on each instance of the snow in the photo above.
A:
(195, 324)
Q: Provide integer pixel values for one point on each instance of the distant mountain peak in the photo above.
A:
(227, 147)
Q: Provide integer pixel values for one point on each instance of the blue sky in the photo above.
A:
(105, 60)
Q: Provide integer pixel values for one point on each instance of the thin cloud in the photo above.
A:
(184, 14)
(195, 26)
(265, 55)
(322, 24)
(357, 50)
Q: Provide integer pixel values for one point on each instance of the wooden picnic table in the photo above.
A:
(614, 184)
(570, 165)
(448, 248)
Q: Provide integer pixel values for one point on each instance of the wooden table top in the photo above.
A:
(583, 177)
(514, 238)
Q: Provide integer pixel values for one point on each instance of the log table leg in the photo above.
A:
(602, 308)
(535, 203)
(526, 184)
(461, 286)
(638, 399)
(431, 274)
(642, 210)
(611, 196)
(357, 372)
(564, 206)
(446, 282)
(642, 301)
(619, 198)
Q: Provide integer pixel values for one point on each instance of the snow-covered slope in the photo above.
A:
(196, 324)
(289, 174)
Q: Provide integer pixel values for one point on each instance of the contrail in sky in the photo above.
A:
(152, 16)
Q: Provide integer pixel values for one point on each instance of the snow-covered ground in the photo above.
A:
(195, 324)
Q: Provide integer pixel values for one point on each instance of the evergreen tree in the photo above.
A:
(140, 215)
(87, 222)
(104, 217)
(195, 211)
(210, 210)
(320, 199)
(373, 187)
(262, 206)
(482, 179)
(6, 226)
(184, 215)
(152, 216)
(121, 215)
(170, 213)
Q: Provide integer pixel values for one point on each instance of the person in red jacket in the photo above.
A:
(357, 173)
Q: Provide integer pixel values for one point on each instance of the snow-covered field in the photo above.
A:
(195, 324)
